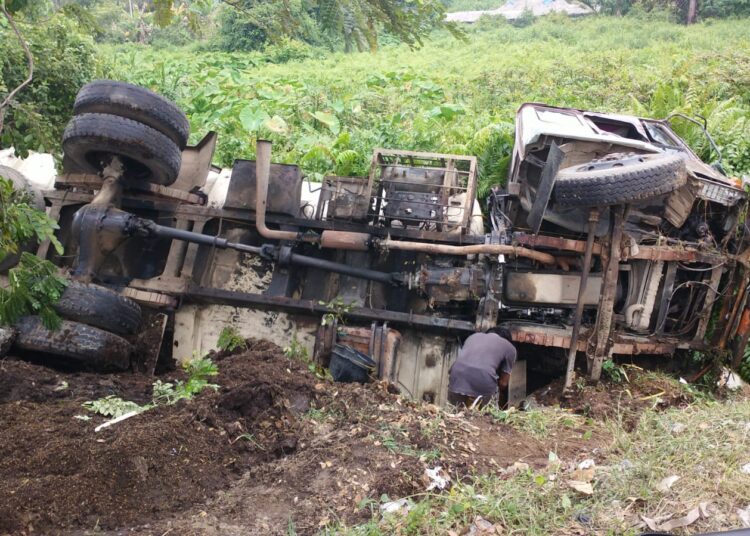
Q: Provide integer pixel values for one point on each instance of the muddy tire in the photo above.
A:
(20, 182)
(90, 141)
(36, 200)
(620, 178)
(7, 336)
(83, 344)
(99, 307)
(136, 103)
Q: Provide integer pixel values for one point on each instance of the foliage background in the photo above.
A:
(65, 59)
(328, 112)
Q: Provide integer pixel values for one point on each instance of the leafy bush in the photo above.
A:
(451, 96)
(64, 60)
(230, 340)
(199, 370)
(33, 285)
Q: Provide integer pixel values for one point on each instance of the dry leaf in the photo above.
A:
(691, 517)
(667, 483)
(650, 523)
(581, 487)
(744, 516)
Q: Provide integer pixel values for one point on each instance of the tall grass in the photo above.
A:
(455, 96)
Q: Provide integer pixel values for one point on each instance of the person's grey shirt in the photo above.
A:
(482, 356)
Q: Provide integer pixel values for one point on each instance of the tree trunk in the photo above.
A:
(692, 12)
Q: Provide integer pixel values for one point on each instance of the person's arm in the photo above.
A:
(503, 379)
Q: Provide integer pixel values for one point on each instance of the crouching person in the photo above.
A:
(483, 367)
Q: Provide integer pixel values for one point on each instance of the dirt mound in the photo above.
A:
(275, 446)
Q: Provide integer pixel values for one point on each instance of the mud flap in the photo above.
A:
(544, 192)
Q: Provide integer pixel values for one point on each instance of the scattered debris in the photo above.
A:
(437, 479)
(744, 515)
(730, 380)
(401, 506)
(745, 469)
(116, 420)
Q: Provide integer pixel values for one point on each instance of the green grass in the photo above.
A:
(327, 113)
(707, 455)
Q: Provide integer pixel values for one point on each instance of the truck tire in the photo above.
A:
(86, 345)
(99, 307)
(90, 140)
(20, 182)
(136, 103)
(619, 178)
(36, 200)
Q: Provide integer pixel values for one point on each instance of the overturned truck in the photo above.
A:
(610, 238)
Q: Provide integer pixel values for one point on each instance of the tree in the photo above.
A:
(33, 285)
(358, 23)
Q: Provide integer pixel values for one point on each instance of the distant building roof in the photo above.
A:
(514, 8)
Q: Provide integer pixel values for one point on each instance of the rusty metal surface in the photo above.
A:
(623, 343)
(192, 212)
(284, 188)
(705, 314)
(196, 163)
(313, 307)
(544, 191)
(605, 314)
(422, 185)
(444, 285)
(743, 334)
(554, 242)
(651, 253)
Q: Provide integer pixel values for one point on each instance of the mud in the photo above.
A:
(276, 446)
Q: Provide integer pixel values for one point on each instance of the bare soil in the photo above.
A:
(274, 447)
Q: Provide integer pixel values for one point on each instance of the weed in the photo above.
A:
(230, 340)
(613, 372)
(250, 438)
(321, 414)
(296, 350)
(198, 371)
(114, 406)
(396, 440)
(337, 316)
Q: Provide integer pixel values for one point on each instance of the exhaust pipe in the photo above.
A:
(262, 174)
(329, 239)
(489, 249)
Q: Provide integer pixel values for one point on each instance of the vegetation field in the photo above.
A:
(327, 112)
